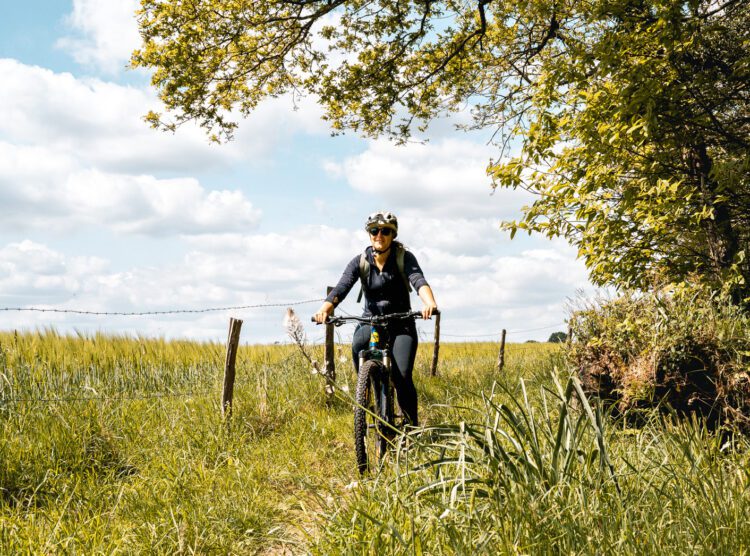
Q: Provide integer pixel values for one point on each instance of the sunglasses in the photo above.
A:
(384, 231)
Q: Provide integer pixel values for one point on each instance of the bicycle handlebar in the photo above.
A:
(374, 319)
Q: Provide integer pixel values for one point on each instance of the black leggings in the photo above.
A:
(404, 350)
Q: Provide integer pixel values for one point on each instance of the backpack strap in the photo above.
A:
(364, 274)
(364, 269)
(400, 252)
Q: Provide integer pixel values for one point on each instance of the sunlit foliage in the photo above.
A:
(632, 117)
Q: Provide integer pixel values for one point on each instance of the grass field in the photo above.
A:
(116, 445)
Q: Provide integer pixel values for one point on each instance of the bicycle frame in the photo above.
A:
(376, 351)
(382, 382)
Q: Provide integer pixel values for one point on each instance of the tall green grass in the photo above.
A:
(524, 472)
(116, 445)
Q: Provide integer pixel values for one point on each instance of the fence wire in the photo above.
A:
(507, 332)
(244, 307)
(166, 312)
(67, 399)
(425, 335)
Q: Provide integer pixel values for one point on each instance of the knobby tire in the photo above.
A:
(374, 405)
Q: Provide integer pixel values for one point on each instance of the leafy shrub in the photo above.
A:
(683, 348)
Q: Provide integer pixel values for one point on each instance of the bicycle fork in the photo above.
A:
(386, 360)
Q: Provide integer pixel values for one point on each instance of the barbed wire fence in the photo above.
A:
(164, 312)
(324, 339)
(477, 336)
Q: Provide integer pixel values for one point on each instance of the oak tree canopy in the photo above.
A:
(629, 120)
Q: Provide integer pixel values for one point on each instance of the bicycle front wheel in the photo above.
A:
(370, 438)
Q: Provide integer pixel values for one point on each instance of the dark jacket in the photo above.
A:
(386, 291)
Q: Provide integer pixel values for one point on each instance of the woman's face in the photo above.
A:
(381, 241)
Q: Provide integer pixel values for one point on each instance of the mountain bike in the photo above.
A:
(375, 424)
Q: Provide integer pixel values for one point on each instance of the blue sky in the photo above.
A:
(99, 212)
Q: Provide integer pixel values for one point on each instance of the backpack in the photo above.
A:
(364, 269)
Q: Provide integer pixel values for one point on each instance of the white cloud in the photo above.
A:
(442, 179)
(101, 124)
(520, 293)
(273, 122)
(222, 270)
(146, 205)
(295, 261)
(48, 191)
(28, 268)
(105, 32)
(96, 122)
(542, 275)
(460, 236)
(75, 153)
(478, 294)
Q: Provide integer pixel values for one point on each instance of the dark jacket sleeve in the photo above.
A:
(346, 282)
(413, 271)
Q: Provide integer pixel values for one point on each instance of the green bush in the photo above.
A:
(683, 348)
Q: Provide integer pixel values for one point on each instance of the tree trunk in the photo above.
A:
(722, 241)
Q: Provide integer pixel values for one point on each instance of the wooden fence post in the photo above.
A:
(501, 355)
(436, 350)
(330, 357)
(233, 342)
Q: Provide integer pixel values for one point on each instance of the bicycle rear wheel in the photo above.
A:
(373, 407)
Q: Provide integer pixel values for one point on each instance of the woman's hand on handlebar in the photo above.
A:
(428, 299)
(323, 313)
(428, 311)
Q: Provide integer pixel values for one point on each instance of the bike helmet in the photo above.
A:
(383, 220)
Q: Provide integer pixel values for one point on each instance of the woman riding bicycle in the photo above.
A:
(386, 269)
